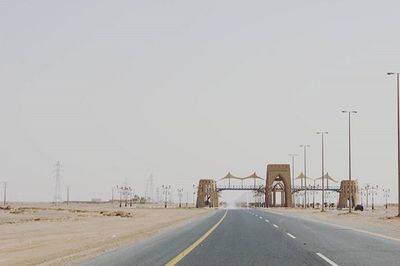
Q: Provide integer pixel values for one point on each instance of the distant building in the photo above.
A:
(95, 200)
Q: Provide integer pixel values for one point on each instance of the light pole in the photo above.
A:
(350, 186)
(386, 196)
(67, 195)
(194, 194)
(398, 139)
(180, 193)
(305, 173)
(373, 192)
(293, 156)
(313, 196)
(322, 133)
(367, 187)
(5, 194)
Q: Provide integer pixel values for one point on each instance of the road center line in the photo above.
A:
(292, 236)
(260, 217)
(267, 220)
(327, 260)
(189, 249)
(276, 226)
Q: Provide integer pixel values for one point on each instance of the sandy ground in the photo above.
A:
(42, 233)
(379, 221)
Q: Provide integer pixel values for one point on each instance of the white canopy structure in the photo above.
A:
(327, 177)
(230, 176)
(302, 176)
(253, 176)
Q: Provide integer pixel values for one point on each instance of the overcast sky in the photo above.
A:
(185, 90)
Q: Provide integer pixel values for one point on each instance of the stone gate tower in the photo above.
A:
(344, 195)
(278, 180)
(207, 194)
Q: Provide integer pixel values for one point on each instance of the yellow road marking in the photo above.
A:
(189, 249)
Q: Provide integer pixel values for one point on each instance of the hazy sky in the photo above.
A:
(192, 89)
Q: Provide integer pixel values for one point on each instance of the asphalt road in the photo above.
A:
(256, 237)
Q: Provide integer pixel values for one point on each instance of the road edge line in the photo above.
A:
(190, 248)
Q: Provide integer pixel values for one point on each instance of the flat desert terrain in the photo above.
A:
(42, 233)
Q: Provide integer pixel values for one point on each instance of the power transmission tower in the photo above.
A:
(57, 189)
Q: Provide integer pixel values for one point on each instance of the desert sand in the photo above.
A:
(42, 233)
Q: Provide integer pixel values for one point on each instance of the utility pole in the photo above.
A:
(67, 195)
(305, 173)
(350, 184)
(57, 190)
(5, 193)
(112, 195)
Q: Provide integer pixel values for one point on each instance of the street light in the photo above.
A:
(180, 194)
(373, 193)
(194, 194)
(305, 173)
(322, 133)
(350, 186)
(386, 195)
(293, 155)
(398, 139)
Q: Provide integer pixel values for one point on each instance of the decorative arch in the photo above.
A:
(278, 178)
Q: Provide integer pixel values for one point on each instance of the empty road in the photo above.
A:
(256, 237)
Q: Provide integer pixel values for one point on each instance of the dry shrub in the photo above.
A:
(118, 213)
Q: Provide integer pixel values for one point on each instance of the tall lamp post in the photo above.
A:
(305, 146)
(5, 194)
(398, 138)
(386, 196)
(293, 156)
(180, 194)
(350, 186)
(322, 133)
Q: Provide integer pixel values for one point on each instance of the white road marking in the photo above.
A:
(292, 236)
(267, 220)
(336, 225)
(276, 226)
(260, 217)
(327, 260)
